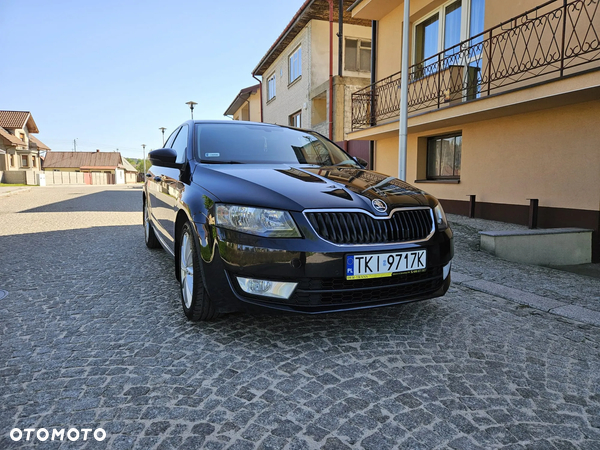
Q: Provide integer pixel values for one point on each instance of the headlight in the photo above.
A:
(440, 217)
(259, 221)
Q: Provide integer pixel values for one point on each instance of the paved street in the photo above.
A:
(92, 336)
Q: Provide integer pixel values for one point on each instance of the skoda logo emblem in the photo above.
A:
(379, 205)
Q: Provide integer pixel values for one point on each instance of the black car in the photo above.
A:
(259, 214)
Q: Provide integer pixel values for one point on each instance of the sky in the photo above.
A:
(109, 74)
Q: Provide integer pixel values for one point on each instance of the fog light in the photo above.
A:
(277, 289)
(447, 270)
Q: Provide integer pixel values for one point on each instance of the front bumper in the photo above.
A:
(319, 269)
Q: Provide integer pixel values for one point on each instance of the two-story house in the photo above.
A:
(246, 105)
(503, 104)
(20, 151)
(297, 69)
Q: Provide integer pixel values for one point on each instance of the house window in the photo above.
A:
(449, 25)
(443, 157)
(33, 161)
(296, 120)
(271, 87)
(358, 55)
(24, 162)
(12, 161)
(295, 63)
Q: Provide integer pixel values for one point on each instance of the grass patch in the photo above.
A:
(12, 185)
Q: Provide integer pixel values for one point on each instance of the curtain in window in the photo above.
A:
(427, 38)
(477, 19)
(351, 49)
(453, 19)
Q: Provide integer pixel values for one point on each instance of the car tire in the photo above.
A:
(149, 235)
(197, 305)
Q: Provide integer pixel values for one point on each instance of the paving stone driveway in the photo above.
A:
(92, 336)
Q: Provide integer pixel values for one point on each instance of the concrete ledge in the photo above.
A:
(548, 247)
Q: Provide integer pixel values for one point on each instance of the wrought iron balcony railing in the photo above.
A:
(540, 45)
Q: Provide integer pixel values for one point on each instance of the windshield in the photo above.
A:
(258, 144)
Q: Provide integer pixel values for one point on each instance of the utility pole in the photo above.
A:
(75, 144)
(191, 107)
(144, 148)
(403, 125)
(163, 134)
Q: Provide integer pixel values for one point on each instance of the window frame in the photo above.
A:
(295, 65)
(26, 159)
(359, 47)
(441, 137)
(272, 78)
(171, 138)
(440, 11)
(181, 153)
(292, 118)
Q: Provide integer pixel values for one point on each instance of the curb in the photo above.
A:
(546, 304)
(14, 191)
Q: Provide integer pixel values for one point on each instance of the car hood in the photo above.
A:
(306, 187)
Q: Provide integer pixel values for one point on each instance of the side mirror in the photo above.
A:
(361, 161)
(164, 157)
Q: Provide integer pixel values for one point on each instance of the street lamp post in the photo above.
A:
(163, 134)
(191, 107)
(144, 148)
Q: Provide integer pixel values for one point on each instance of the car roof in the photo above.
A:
(240, 122)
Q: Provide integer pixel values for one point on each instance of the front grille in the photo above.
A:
(342, 292)
(361, 228)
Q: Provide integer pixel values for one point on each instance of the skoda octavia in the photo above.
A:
(278, 217)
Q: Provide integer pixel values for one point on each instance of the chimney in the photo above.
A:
(97, 150)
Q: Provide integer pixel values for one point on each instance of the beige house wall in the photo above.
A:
(250, 110)
(498, 11)
(551, 155)
(320, 50)
(289, 98)
(255, 105)
(310, 91)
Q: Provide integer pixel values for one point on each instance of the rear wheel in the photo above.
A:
(196, 303)
(149, 235)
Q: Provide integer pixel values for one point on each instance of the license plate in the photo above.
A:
(384, 264)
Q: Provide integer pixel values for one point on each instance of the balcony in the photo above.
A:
(553, 41)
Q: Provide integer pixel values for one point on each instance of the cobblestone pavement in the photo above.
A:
(92, 336)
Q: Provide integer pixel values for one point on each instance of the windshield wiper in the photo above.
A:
(220, 162)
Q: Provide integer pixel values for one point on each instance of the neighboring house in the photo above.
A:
(20, 151)
(296, 73)
(247, 105)
(503, 104)
(89, 168)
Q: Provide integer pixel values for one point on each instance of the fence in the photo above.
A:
(79, 178)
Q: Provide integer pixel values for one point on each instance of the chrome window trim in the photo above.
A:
(363, 211)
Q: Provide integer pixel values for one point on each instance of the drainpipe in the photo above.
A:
(261, 98)
(340, 37)
(331, 69)
(404, 94)
(373, 81)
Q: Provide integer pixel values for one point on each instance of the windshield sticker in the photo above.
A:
(212, 155)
